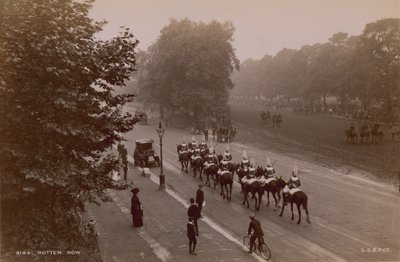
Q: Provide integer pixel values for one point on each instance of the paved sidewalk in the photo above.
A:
(163, 236)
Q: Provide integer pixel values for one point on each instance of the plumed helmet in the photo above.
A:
(295, 171)
(268, 161)
(244, 155)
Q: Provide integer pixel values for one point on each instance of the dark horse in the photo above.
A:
(211, 171)
(300, 199)
(241, 173)
(265, 117)
(364, 133)
(225, 180)
(275, 187)
(351, 135)
(184, 159)
(255, 189)
(198, 165)
(377, 134)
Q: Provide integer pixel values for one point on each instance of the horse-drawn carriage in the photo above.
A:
(141, 117)
(144, 153)
(224, 134)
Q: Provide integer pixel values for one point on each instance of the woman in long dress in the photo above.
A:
(136, 209)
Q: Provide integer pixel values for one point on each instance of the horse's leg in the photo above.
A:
(276, 202)
(291, 208)
(201, 176)
(182, 165)
(298, 211)
(306, 209)
(230, 191)
(267, 198)
(283, 208)
(222, 189)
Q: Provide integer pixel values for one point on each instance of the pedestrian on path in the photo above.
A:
(123, 155)
(191, 234)
(136, 209)
(193, 211)
(205, 134)
(200, 199)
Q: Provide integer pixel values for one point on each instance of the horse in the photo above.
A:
(274, 187)
(351, 135)
(225, 180)
(395, 131)
(364, 133)
(211, 171)
(204, 152)
(265, 117)
(300, 199)
(241, 173)
(184, 159)
(377, 134)
(255, 189)
(198, 165)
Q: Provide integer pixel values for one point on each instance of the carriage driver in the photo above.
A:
(294, 181)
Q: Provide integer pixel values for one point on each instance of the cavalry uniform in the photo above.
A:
(250, 177)
(196, 154)
(211, 160)
(227, 155)
(183, 149)
(294, 181)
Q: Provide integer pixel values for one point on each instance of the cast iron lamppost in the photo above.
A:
(160, 132)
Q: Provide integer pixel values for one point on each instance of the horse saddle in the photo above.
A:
(268, 180)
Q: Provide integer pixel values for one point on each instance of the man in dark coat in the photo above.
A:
(255, 227)
(191, 234)
(200, 198)
(193, 211)
(123, 154)
(136, 209)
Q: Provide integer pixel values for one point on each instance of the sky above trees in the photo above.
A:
(262, 26)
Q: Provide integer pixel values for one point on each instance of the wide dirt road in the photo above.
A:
(353, 219)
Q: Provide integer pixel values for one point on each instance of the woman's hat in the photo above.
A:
(135, 190)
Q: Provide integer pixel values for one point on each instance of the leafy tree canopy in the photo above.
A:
(189, 67)
(58, 117)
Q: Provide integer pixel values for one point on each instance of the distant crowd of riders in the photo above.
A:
(367, 131)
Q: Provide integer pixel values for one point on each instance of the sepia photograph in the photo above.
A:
(199, 130)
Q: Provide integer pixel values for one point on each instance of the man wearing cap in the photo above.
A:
(193, 211)
(200, 198)
(191, 234)
(255, 232)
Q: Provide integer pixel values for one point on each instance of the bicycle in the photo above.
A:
(264, 251)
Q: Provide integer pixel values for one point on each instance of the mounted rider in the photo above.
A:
(227, 158)
(224, 167)
(294, 181)
(269, 170)
(193, 145)
(211, 159)
(183, 149)
(245, 163)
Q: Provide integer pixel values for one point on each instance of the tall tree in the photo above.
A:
(189, 66)
(58, 116)
(379, 54)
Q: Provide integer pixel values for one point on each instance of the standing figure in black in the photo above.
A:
(194, 212)
(205, 134)
(255, 232)
(123, 155)
(191, 234)
(136, 209)
(200, 198)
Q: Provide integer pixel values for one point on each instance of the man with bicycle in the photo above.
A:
(255, 232)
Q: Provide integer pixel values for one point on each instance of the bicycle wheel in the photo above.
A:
(265, 251)
(246, 241)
